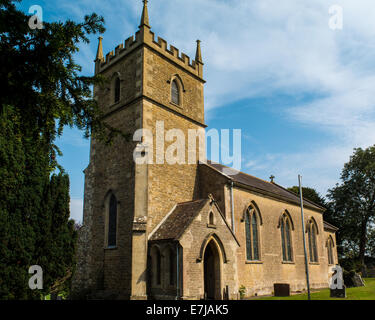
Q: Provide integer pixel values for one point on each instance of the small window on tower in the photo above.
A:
(112, 222)
(175, 93)
(117, 90)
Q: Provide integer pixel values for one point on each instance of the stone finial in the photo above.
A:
(272, 178)
(144, 19)
(99, 53)
(198, 55)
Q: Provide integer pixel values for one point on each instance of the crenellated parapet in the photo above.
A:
(145, 37)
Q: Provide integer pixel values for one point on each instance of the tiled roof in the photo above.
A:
(268, 188)
(178, 220)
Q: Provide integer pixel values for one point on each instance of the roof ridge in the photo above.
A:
(212, 164)
(243, 172)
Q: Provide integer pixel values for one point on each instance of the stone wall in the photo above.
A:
(199, 234)
(259, 277)
(145, 69)
(111, 170)
(169, 184)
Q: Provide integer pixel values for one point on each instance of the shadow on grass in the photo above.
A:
(360, 293)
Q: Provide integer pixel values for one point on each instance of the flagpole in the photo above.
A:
(303, 237)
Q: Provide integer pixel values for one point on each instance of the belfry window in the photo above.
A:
(112, 222)
(117, 90)
(175, 92)
(252, 238)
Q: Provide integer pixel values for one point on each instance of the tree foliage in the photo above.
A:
(40, 77)
(34, 214)
(42, 92)
(353, 204)
(309, 194)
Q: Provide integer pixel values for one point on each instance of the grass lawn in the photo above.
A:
(360, 293)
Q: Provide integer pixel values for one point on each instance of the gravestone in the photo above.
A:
(357, 281)
(281, 289)
(338, 293)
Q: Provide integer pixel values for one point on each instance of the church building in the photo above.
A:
(156, 230)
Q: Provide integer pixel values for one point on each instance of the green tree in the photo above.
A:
(34, 214)
(353, 204)
(371, 242)
(314, 196)
(56, 239)
(309, 194)
(39, 76)
(42, 92)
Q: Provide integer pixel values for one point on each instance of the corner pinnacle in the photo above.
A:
(144, 19)
(99, 53)
(198, 55)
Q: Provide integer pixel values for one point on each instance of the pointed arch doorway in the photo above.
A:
(211, 261)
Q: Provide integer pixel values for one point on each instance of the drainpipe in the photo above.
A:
(178, 274)
(232, 206)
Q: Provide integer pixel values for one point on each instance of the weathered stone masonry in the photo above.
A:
(173, 225)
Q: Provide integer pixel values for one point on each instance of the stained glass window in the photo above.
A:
(249, 255)
(283, 239)
(286, 240)
(254, 226)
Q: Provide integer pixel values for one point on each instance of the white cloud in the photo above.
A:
(260, 48)
(76, 209)
(257, 48)
(319, 166)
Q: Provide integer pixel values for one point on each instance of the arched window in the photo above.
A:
(312, 232)
(172, 267)
(330, 251)
(252, 235)
(211, 219)
(158, 267)
(117, 89)
(286, 243)
(112, 221)
(175, 92)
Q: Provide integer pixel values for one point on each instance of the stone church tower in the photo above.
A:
(158, 223)
(150, 85)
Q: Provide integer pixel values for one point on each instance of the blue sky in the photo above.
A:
(302, 93)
